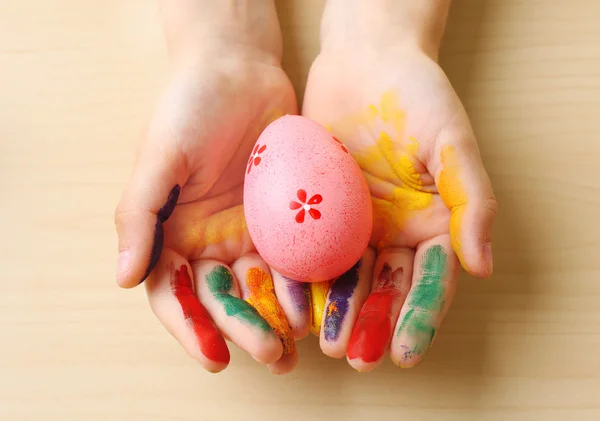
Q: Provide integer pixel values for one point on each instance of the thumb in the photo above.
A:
(467, 192)
(147, 202)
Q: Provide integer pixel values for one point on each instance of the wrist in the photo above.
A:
(247, 29)
(384, 24)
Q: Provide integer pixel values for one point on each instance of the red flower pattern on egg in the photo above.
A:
(344, 148)
(254, 157)
(306, 206)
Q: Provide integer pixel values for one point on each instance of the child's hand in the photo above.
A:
(395, 110)
(180, 221)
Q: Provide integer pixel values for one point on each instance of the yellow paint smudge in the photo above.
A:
(454, 195)
(390, 112)
(229, 224)
(370, 114)
(263, 299)
(318, 294)
(388, 163)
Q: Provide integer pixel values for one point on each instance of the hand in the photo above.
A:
(391, 104)
(180, 221)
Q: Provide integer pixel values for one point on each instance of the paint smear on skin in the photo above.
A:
(393, 156)
(373, 330)
(389, 111)
(399, 161)
(262, 298)
(229, 224)
(211, 343)
(159, 234)
(391, 213)
(454, 196)
(220, 283)
(318, 298)
(339, 302)
(425, 301)
(386, 115)
(391, 160)
(299, 293)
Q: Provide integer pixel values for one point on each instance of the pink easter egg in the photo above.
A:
(306, 202)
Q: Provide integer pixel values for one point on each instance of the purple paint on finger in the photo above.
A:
(339, 302)
(159, 233)
(299, 293)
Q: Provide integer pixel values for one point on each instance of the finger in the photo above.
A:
(238, 320)
(257, 289)
(174, 302)
(294, 298)
(318, 300)
(346, 297)
(373, 330)
(432, 290)
(285, 364)
(467, 191)
(147, 202)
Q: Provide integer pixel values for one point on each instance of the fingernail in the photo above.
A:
(123, 264)
(488, 257)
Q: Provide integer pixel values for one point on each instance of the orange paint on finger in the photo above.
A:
(263, 299)
(332, 308)
(454, 195)
(390, 112)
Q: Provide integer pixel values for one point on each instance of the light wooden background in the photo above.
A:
(77, 79)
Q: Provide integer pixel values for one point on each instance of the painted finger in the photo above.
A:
(238, 321)
(173, 300)
(294, 298)
(345, 299)
(318, 300)
(374, 327)
(466, 190)
(146, 204)
(433, 287)
(256, 285)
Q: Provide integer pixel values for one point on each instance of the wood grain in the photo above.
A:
(78, 79)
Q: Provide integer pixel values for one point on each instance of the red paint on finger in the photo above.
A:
(373, 330)
(210, 341)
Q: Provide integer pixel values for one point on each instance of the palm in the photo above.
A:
(195, 156)
(405, 126)
(389, 113)
(216, 138)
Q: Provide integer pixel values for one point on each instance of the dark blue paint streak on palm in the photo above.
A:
(339, 297)
(299, 293)
(159, 233)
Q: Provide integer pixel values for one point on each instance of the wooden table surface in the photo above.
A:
(77, 80)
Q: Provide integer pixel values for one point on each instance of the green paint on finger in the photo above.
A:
(220, 282)
(418, 324)
(429, 289)
(425, 300)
